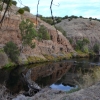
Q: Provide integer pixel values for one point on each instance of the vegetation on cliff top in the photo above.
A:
(59, 19)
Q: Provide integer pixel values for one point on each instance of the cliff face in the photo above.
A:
(10, 32)
(82, 28)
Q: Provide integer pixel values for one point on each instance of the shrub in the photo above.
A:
(81, 45)
(21, 11)
(96, 48)
(26, 8)
(28, 33)
(14, 3)
(43, 34)
(12, 51)
(1, 8)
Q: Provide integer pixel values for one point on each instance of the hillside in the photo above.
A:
(55, 48)
(79, 28)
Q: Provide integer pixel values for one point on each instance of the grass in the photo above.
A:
(81, 54)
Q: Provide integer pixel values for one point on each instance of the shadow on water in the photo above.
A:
(64, 75)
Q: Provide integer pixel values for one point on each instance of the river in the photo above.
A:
(65, 75)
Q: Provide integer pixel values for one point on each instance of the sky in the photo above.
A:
(85, 8)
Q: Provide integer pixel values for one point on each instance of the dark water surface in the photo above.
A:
(64, 75)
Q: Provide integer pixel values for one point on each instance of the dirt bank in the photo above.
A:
(90, 93)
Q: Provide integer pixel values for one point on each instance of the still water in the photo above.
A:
(65, 75)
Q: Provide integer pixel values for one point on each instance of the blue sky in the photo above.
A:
(85, 8)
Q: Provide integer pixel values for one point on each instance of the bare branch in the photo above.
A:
(37, 13)
(52, 15)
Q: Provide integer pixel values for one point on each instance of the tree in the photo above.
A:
(43, 33)
(12, 51)
(26, 8)
(14, 3)
(21, 11)
(28, 33)
(81, 45)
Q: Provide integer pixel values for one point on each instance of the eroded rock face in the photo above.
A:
(3, 59)
(10, 32)
(82, 28)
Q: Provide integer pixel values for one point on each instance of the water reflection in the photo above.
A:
(64, 75)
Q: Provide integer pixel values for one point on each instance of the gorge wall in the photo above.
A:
(82, 28)
(57, 46)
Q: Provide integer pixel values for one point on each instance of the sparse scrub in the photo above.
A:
(43, 33)
(96, 48)
(21, 11)
(81, 45)
(26, 8)
(28, 33)
(14, 3)
(12, 51)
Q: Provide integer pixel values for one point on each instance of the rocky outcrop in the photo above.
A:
(3, 59)
(10, 32)
(82, 28)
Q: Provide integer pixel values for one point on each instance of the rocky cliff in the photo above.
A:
(57, 46)
(82, 28)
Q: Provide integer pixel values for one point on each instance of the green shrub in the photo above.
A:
(14, 3)
(21, 11)
(43, 33)
(12, 51)
(0, 8)
(28, 33)
(81, 45)
(26, 8)
(96, 48)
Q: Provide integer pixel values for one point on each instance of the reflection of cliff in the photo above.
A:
(76, 75)
(43, 74)
(49, 73)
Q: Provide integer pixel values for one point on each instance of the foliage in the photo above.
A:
(0, 8)
(70, 40)
(96, 48)
(81, 45)
(47, 19)
(90, 18)
(14, 3)
(85, 49)
(43, 33)
(12, 51)
(21, 11)
(58, 19)
(27, 32)
(85, 41)
(6, 1)
(26, 8)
